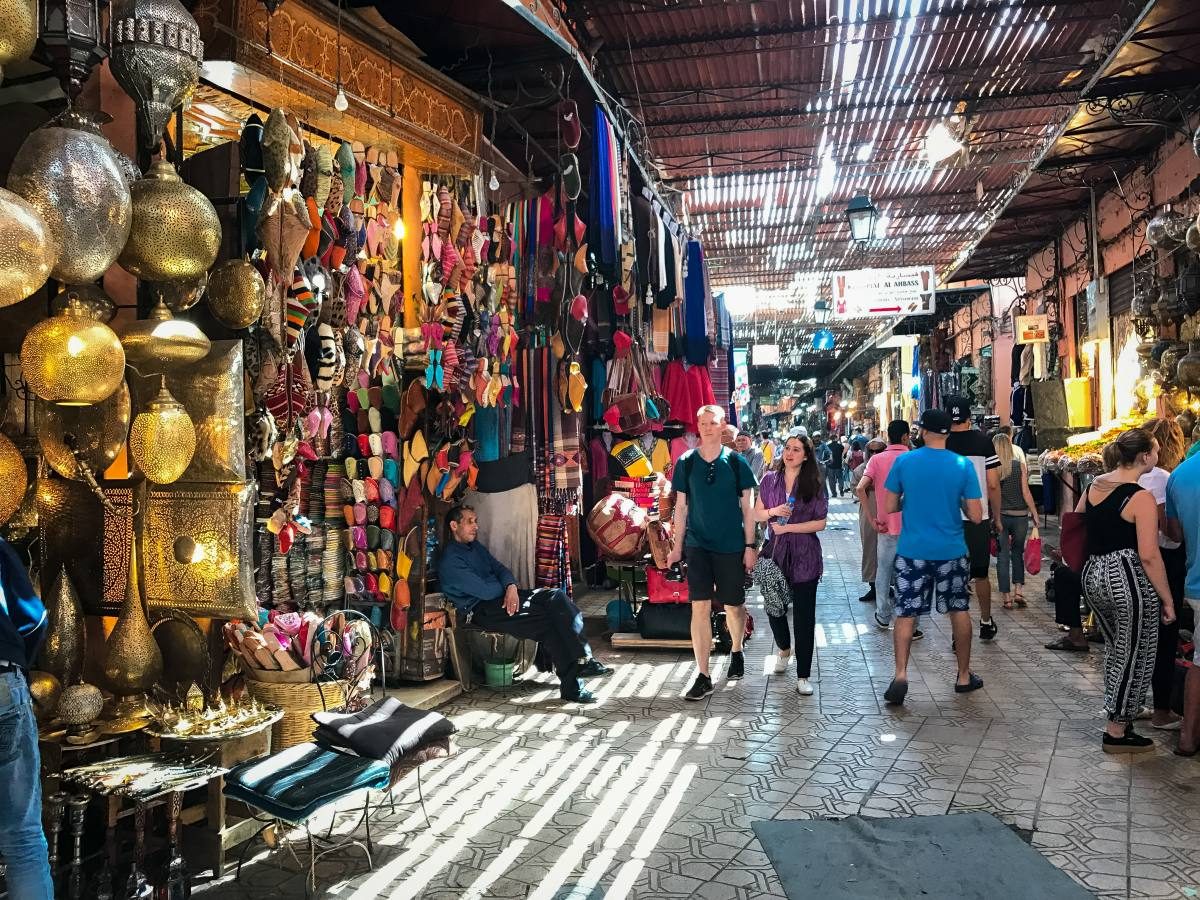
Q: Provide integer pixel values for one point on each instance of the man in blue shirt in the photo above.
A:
(22, 630)
(1183, 524)
(485, 594)
(931, 488)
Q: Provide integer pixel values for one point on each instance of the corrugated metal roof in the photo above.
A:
(770, 117)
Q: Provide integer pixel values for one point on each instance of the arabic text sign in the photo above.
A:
(881, 293)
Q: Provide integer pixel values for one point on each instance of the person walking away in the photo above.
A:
(859, 440)
(1171, 448)
(887, 525)
(744, 444)
(793, 500)
(866, 517)
(1016, 509)
(834, 477)
(972, 443)
(1125, 584)
(715, 526)
(22, 630)
(821, 448)
(1183, 524)
(934, 487)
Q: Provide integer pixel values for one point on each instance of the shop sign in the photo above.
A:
(765, 355)
(1033, 329)
(884, 293)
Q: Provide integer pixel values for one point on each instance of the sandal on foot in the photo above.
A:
(1064, 643)
(974, 684)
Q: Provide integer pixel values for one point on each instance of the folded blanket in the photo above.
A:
(386, 730)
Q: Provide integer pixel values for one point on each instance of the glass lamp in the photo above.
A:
(163, 438)
(862, 215)
(70, 41)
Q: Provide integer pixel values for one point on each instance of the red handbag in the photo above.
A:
(661, 589)
(1073, 540)
(1033, 553)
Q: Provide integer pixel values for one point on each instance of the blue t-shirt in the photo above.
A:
(1183, 504)
(714, 513)
(933, 484)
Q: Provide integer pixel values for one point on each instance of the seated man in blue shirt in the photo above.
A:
(485, 594)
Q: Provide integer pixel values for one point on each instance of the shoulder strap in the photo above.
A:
(689, 461)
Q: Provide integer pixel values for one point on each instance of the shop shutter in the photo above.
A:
(1120, 291)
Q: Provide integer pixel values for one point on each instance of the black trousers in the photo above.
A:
(1068, 592)
(804, 619)
(1163, 681)
(549, 617)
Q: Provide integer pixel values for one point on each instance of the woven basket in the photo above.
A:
(298, 702)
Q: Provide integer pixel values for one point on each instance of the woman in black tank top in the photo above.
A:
(1125, 583)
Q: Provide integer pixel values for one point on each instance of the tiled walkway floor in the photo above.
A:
(645, 795)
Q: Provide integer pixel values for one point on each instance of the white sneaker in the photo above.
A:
(781, 662)
(804, 687)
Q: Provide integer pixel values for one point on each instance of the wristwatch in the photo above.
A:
(752, 546)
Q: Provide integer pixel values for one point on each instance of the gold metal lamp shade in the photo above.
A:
(18, 31)
(27, 248)
(13, 476)
(163, 439)
(176, 233)
(73, 437)
(161, 341)
(71, 358)
(236, 294)
(95, 302)
(66, 639)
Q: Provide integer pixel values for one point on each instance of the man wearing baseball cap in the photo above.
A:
(932, 488)
(972, 443)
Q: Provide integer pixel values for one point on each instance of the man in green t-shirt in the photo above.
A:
(715, 532)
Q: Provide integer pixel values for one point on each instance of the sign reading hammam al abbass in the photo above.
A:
(880, 293)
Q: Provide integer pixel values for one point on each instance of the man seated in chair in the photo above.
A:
(485, 594)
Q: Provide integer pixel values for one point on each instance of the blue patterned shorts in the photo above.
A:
(919, 582)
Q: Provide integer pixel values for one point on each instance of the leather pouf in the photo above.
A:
(618, 526)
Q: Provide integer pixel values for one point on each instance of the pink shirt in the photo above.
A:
(878, 468)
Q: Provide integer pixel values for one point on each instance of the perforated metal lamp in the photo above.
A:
(862, 215)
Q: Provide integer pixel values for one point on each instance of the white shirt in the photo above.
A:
(1155, 481)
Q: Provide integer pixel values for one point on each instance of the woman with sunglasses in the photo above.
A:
(792, 499)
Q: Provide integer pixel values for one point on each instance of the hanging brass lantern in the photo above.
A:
(18, 31)
(13, 476)
(27, 248)
(181, 295)
(156, 55)
(176, 233)
(68, 172)
(236, 294)
(163, 438)
(63, 652)
(161, 341)
(75, 437)
(95, 302)
(71, 358)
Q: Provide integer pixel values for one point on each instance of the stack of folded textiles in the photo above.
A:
(387, 730)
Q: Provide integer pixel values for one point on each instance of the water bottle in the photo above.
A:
(791, 504)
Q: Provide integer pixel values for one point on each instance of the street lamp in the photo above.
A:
(861, 214)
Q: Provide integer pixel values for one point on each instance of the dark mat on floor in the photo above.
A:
(957, 857)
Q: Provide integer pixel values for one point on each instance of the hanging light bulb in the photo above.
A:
(493, 182)
(398, 229)
(340, 103)
(163, 438)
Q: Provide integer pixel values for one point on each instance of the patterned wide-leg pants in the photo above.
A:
(1127, 610)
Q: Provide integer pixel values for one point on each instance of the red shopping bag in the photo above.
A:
(1033, 553)
(661, 589)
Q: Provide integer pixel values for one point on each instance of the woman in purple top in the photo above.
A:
(792, 498)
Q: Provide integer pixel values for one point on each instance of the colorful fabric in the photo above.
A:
(552, 568)
(298, 308)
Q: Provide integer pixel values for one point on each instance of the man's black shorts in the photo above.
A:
(716, 576)
(979, 546)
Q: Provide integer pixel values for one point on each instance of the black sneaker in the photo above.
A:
(593, 668)
(987, 630)
(882, 625)
(868, 597)
(896, 692)
(917, 634)
(1130, 743)
(700, 688)
(737, 664)
(583, 697)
